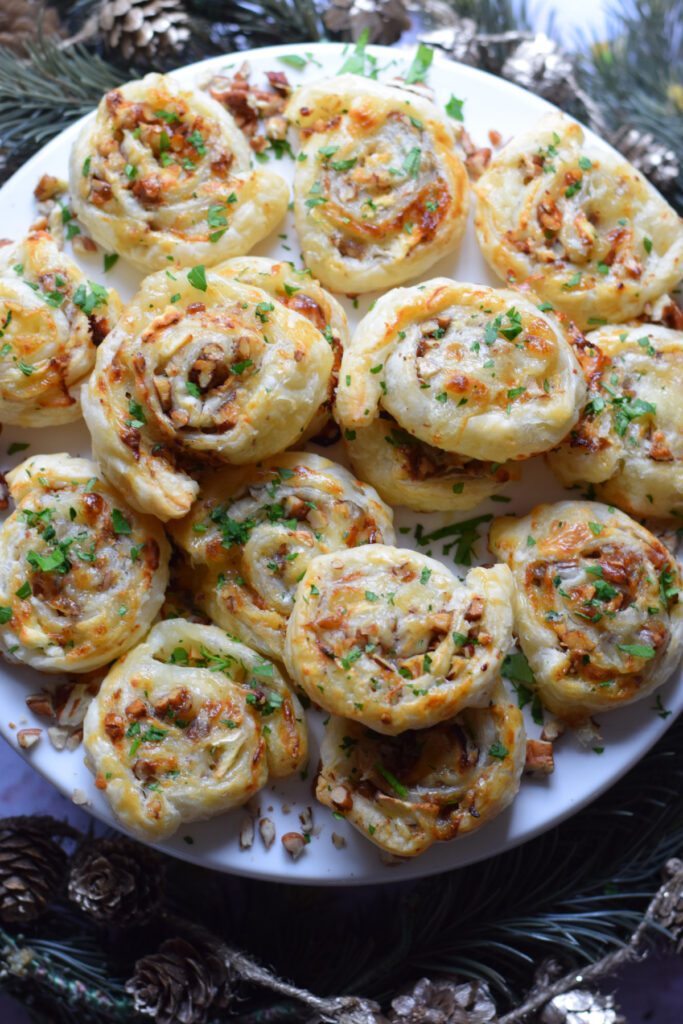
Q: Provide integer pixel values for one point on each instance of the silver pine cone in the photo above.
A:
(117, 881)
(143, 29)
(444, 1002)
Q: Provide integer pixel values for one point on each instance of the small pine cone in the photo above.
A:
(181, 983)
(32, 866)
(444, 1002)
(143, 29)
(117, 881)
(20, 19)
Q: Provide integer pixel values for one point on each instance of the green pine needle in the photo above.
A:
(48, 89)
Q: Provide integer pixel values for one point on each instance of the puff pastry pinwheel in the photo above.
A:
(254, 531)
(161, 172)
(629, 440)
(585, 227)
(81, 576)
(390, 638)
(299, 291)
(188, 725)
(406, 792)
(463, 368)
(597, 604)
(205, 367)
(379, 192)
(51, 319)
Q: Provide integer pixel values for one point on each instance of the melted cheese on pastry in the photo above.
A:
(409, 472)
(203, 367)
(299, 291)
(81, 575)
(188, 725)
(164, 173)
(406, 792)
(390, 638)
(464, 368)
(51, 319)
(254, 531)
(597, 604)
(629, 439)
(379, 192)
(588, 230)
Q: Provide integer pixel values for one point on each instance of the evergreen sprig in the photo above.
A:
(636, 75)
(47, 89)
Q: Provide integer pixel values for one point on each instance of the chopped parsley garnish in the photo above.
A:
(88, 298)
(119, 522)
(638, 650)
(498, 750)
(389, 776)
(454, 108)
(197, 277)
(417, 72)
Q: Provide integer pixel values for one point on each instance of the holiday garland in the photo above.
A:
(104, 930)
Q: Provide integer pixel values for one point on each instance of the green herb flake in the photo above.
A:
(454, 108)
(119, 522)
(197, 277)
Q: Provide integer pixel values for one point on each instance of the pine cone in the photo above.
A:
(444, 1002)
(143, 29)
(652, 157)
(180, 983)
(32, 866)
(117, 881)
(20, 19)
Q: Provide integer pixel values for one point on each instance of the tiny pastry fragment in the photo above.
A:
(466, 369)
(163, 173)
(629, 439)
(188, 725)
(596, 605)
(379, 192)
(583, 226)
(205, 368)
(391, 638)
(298, 290)
(429, 785)
(82, 576)
(51, 320)
(254, 531)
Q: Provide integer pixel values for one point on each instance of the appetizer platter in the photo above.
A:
(342, 429)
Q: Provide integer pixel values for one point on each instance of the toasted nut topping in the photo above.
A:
(341, 798)
(246, 833)
(294, 843)
(539, 757)
(27, 737)
(267, 830)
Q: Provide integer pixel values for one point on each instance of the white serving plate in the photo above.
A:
(580, 774)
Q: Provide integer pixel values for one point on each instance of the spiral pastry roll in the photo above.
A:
(629, 439)
(597, 604)
(429, 785)
(299, 291)
(51, 319)
(590, 232)
(205, 367)
(379, 192)
(463, 368)
(254, 531)
(188, 725)
(390, 638)
(163, 173)
(81, 575)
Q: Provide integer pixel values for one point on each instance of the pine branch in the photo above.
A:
(46, 90)
(633, 75)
